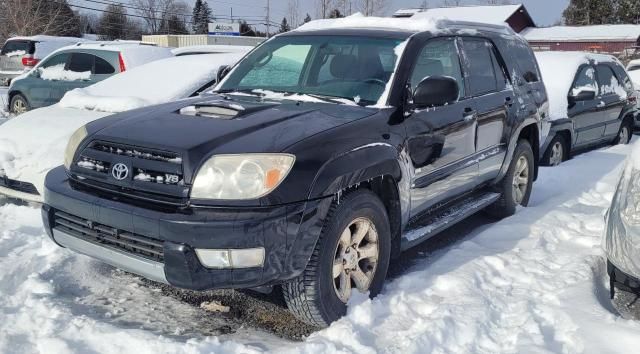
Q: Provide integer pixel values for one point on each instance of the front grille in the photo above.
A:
(106, 236)
(152, 175)
(19, 186)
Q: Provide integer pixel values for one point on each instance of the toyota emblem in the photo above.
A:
(120, 171)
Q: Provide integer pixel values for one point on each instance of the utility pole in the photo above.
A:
(268, 17)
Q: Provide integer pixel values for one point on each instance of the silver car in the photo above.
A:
(622, 238)
(20, 54)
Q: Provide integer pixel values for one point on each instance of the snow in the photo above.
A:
(212, 49)
(535, 283)
(558, 72)
(598, 33)
(497, 15)
(417, 23)
(144, 86)
(15, 53)
(58, 73)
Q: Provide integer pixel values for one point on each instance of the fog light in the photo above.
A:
(235, 258)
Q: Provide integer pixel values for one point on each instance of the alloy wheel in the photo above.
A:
(520, 179)
(356, 258)
(557, 154)
(19, 106)
(623, 137)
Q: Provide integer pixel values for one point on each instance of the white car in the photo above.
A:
(34, 142)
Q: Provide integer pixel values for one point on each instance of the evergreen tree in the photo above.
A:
(307, 19)
(195, 19)
(201, 17)
(284, 26)
(335, 13)
(113, 23)
(628, 11)
(590, 12)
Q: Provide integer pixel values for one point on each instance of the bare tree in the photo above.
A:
(29, 17)
(373, 7)
(452, 3)
(294, 13)
(324, 7)
(157, 12)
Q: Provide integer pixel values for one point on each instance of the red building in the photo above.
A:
(619, 40)
(516, 16)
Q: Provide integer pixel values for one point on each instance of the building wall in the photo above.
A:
(177, 41)
(615, 48)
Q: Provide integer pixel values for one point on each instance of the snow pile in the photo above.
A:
(535, 282)
(15, 53)
(157, 82)
(417, 23)
(635, 78)
(597, 33)
(136, 55)
(497, 15)
(58, 73)
(558, 72)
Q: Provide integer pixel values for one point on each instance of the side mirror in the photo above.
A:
(436, 91)
(583, 95)
(222, 72)
(35, 73)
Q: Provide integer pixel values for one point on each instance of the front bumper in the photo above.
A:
(288, 234)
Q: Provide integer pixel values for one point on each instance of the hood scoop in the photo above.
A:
(212, 111)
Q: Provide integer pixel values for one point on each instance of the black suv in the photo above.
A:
(319, 158)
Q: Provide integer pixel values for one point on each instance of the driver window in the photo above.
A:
(438, 57)
(585, 81)
(280, 69)
(60, 59)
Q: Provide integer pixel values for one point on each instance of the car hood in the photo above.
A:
(214, 124)
(34, 142)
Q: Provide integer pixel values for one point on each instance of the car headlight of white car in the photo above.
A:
(241, 177)
(630, 209)
(73, 144)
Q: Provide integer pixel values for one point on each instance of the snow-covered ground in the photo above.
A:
(3, 102)
(535, 282)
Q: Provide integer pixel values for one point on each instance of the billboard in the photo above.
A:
(224, 29)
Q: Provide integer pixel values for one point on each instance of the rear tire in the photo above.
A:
(19, 104)
(317, 296)
(557, 152)
(515, 188)
(625, 133)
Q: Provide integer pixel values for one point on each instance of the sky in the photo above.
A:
(544, 12)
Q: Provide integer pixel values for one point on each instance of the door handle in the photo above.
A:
(601, 104)
(508, 102)
(470, 114)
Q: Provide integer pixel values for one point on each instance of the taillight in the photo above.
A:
(27, 61)
(121, 61)
(632, 99)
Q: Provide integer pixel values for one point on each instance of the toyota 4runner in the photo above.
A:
(320, 157)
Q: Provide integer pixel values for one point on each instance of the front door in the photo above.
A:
(587, 116)
(613, 97)
(441, 140)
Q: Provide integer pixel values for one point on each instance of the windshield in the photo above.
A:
(346, 67)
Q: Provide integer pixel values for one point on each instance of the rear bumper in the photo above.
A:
(287, 233)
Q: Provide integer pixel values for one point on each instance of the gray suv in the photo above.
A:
(21, 54)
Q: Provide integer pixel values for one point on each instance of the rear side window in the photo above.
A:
(585, 81)
(607, 80)
(103, 67)
(526, 61)
(481, 67)
(439, 57)
(17, 47)
(81, 62)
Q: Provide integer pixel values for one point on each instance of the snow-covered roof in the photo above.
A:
(133, 53)
(494, 14)
(43, 38)
(599, 33)
(157, 82)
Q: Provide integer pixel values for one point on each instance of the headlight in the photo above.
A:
(241, 177)
(630, 197)
(75, 140)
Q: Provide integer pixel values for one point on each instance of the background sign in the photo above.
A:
(224, 29)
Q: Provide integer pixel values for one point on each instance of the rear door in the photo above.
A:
(613, 96)
(492, 97)
(587, 116)
(79, 72)
(441, 140)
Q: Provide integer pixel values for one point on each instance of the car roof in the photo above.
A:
(44, 38)
(133, 53)
(211, 49)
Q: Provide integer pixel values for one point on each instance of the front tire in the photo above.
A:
(19, 104)
(515, 188)
(625, 133)
(557, 152)
(352, 254)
